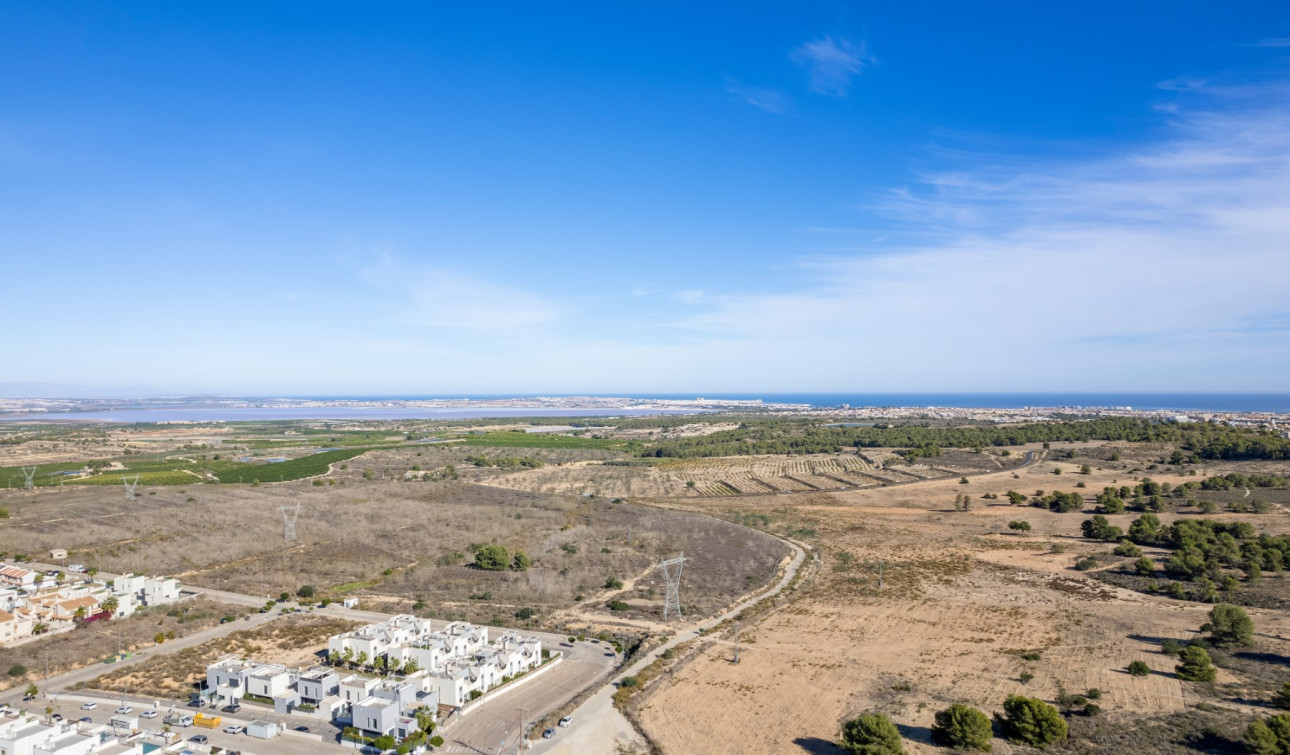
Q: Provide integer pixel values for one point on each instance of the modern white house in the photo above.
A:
(25, 735)
(269, 681)
(317, 684)
(227, 679)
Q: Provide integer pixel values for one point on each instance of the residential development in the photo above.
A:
(396, 669)
(34, 603)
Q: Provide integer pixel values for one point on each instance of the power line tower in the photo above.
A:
(30, 474)
(671, 569)
(130, 485)
(289, 515)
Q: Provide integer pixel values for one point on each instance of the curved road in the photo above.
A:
(598, 726)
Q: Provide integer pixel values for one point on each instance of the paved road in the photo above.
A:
(598, 726)
(496, 724)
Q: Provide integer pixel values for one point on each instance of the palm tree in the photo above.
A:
(361, 659)
(110, 605)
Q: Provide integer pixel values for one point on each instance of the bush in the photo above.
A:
(1195, 666)
(436, 741)
(1229, 626)
(1092, 709)
(1170, 646)
(521, 562)
(1086, 563)
(1144, 567)
(1271, 737)
(306, 591)
(1019, 526)
(1281, 699)
(963, 728)
(871, 734)
(17, 670)
(1127, 549)
(492, 558)
(628, 681)
(1033, 722)
(618, 605)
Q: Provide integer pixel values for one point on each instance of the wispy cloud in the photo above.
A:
(1117, 271)
(832, 64)
(1274, 42)
(431, 296)
(770, 100)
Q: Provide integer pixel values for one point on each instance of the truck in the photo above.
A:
(178, 719)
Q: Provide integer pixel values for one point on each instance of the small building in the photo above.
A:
(16, 576)
(57, 554)
(268, 681)
(226, 679)
(317, 684)
(377, 716)
(159, 590)
(262, 729)
(349, 603)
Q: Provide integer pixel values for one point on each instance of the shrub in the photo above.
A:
(613, 583)
(17, 670)
(436, 741)
(1025, 677)
(1229, 626)
(1170, 646)
(1195, 666)
(1144, 566)
(871, 734)
(521, 562)
(1281, 699)
(1086, 563)
(492, 558)
(1033, 722)
(963, 728)
(1035, 656)
(1100, 528)
(1271, 737)
(1127, 549)
(618, 605)
(305, 591)
(628, 681)
(1019, 526)
(524, 614)
(1092, 709)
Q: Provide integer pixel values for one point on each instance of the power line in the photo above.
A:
(672, 576)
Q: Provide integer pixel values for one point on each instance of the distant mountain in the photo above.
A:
(62, 390)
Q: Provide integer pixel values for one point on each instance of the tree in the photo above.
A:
(963, 728)
(1019, 526)
(1033, 722)
(348, 656)
(1139, 668)
(1281, 699)
(160, 638)
(305, 591)
(425, 720)
(1085, 469)
(492, 558)
(521, 561)
(32, 691)
(379, 664)
(361, 658)
(1271, 737)
(436, 741)
(1196, 665)
(110, 605)
(384, 742)
(1100, 528)
(411, 666)
(283, 597)
(17, 670)
(1144, 566)
(871, 734)
(333, 658)
(1229, 626)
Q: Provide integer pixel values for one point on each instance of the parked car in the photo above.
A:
(231, 708)
(124, 709)
(302, 728)
(56, 717)
(149, 714)
(233, 729)
(89, 706)
(194, 703)
(199, 739)
(86, 720)
(566, 720)
(548, 733)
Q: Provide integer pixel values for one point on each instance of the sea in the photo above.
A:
(192, 412)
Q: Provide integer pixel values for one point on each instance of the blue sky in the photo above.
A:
(328, 198)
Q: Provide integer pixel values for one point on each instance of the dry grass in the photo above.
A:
(293, 641)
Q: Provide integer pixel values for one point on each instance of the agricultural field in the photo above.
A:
(746, 475)
(914, 605)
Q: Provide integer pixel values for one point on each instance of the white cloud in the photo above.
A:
(832, 64)
(1159, 268)
(438, 297)
(770, 100)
